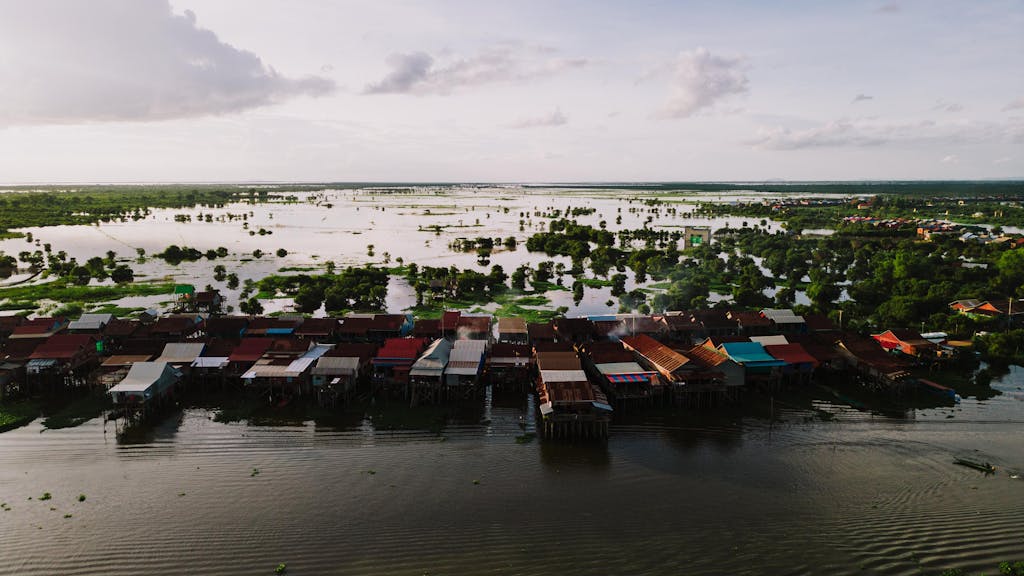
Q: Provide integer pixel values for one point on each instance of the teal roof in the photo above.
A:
(750, 354)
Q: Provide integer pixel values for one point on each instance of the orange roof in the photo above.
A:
(662, 356)
(706, 357)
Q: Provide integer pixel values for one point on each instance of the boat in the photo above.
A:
(980, 466)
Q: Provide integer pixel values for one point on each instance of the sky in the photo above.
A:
(525, 91)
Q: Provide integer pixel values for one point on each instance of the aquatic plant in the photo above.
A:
(81, 497)
(281, 568)
(525, 438)
(46, 496)
(66, 516)
(255, 472)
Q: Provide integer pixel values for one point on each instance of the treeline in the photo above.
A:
(352, 288)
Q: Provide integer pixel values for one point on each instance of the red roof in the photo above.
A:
(317, 327)
(427, 328)
(39, 326)
(540, 331)
(175, 325)
(506, 350)
(662, 356)
(402, 348)
(475, 324)
(120, 327)
(250, 349)
(706, 357)
(358, 326)
(608, 352)
(450, 319)
(362, 351)
(18, 349)
(791, 353)
(64, 346)
(387, 322)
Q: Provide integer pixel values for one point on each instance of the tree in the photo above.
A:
(281, 252)
(309, 298)
(232, 281)
(122, 274)
(252, 306)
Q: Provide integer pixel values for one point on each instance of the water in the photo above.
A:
(722, 492)
(340, 225)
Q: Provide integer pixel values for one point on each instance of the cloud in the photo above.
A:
(889, 8)
(555, 118)
(701, 80)
(948, 106)
(128, 60)
(950, 159)
(1017, 104)
(861, 133)
(420, 73)
(861, 98)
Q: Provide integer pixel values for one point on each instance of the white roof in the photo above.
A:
(181, 352)
(621, 368)
(563, 375)
(477, 346)
(782, 316)
(265, 369)
(144, 377)
(769, 340)
(91, 322)
(336, 366)
(210, 362)
(433, 360)
(466, 358)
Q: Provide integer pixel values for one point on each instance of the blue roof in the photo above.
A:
(280, 331)
(750, 354)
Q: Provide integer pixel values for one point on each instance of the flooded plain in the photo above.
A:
(377, 226)
(830, 485)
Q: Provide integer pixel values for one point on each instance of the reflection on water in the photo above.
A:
(730, 491)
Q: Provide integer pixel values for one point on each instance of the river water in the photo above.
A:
(826, 487)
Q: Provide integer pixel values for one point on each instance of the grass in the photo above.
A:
(595, 282)
(61, 291)
(118, 311)
(16, 414)
(77, 412)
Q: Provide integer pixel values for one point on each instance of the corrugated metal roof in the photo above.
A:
(749, 353)
(776, 340)
(621, 368)
(126, 359)
(335, 366)
(657, 353)
(147, 378)
(210, 362)
(181, 352)
(790, 353)
(511, 326)
(91, 322)
(558, 361)
(553, 376)
(433, 360)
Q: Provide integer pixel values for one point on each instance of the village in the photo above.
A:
(582, 370)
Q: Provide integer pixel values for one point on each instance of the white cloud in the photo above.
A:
(554, 118)
(701, 80)
(420, 73)
(127, 60)
(950, 159)
(1017, 104)
(862, 98)
(870, 132)
(948, 106)
(889, 8)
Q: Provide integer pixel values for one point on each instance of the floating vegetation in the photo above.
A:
(371, 472)
(525, 438)
(255, 472)
(81, 497)
(46, 496)
(281, 568)
(66, 516)
(476, 482)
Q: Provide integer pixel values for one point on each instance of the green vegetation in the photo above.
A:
(77, 412)
(350, 289)
(73, 297)
(14, 414)
(46, 496)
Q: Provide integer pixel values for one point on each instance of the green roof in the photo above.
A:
(184, 289)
